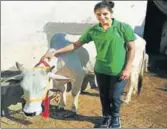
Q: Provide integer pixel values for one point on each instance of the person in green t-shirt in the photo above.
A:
(114, 41)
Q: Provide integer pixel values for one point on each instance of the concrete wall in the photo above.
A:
(27, 26)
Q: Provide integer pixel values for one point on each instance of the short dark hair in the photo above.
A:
(104, 4)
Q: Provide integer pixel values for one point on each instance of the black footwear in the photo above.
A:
(105, 123)
(115, 123)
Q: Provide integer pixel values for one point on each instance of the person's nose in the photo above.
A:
(102, 17)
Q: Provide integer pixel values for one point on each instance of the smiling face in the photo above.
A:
(103, 15)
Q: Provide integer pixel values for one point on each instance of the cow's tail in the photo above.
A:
(141, 74)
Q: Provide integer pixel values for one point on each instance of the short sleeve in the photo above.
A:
(86, 36)
(129, 34)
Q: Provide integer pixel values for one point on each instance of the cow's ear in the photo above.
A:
(20, 67)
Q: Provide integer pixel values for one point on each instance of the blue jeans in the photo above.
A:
(110, 88)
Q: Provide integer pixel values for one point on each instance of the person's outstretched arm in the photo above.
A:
(68, 48)
(71, 47)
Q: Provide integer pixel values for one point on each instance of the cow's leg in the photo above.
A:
(135, 83)
(63, 88)
(140, 76)
(95, 80)
(89, 79)
(63, 99)
(76, 88)
(132, 85)
(84, 84)
(146, 59)
(140, 72)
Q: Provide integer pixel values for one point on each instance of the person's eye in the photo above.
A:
(105, 14)
(98, 14)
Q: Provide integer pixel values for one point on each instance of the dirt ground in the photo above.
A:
(147, 110)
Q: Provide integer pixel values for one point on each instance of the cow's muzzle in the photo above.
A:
(31, 114)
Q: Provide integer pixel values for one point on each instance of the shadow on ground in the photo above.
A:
(90, 94)
(70, 116)
(18, 117)
(163, 88)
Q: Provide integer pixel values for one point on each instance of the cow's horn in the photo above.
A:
(59, 77)
(19, 66)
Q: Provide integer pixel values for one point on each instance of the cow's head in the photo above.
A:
(35, 84)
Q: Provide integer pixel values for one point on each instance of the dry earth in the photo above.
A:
(147, 110)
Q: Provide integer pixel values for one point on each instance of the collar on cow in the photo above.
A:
(45, 67)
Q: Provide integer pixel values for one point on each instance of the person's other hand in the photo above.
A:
(125, 74)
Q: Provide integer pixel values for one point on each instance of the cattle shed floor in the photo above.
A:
(147, 110)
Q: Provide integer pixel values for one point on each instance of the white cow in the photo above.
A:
(139, 66)
(36, 83)
(76, 65)
(84, 60)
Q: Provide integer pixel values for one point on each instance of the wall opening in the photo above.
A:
(153, 28)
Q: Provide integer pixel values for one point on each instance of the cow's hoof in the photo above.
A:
(134, 92)
(126, 101)
(83, 92)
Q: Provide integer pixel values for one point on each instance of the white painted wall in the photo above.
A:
(22, 24)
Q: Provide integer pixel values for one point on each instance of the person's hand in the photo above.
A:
(125, 74)
(48, 55)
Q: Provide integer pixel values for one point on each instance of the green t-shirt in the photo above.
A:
(110, 46)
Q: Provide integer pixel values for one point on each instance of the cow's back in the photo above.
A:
(140, 45)
(85, 56)
(70, 59)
